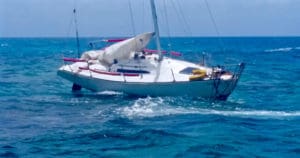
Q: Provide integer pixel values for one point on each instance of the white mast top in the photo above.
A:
(154, 16)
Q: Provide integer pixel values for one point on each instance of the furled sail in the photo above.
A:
(91, 55)
(120, 50)
(123, 49)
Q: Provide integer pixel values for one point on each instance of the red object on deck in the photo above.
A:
(83, 68)
(175, 53)
(73, 60)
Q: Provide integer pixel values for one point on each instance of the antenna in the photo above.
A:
(77, 38)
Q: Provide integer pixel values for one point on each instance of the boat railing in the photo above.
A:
(74, 60)
(239, 70)
(64, 63)
(234, 70)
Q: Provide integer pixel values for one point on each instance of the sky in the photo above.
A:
(112, 18)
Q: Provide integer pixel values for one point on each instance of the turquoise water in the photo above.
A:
(40, 117)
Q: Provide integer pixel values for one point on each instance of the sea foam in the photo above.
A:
(286, 49)
(154, 107)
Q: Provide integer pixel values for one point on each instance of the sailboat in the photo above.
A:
(128, 66)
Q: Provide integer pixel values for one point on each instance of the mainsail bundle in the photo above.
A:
(120, 50)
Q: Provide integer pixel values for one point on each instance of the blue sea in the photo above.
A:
(41, 117)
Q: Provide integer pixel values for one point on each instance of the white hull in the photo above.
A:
(208, 89)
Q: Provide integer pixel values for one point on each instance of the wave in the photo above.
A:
(286, 49)
(253, 113)
(154, 107)
(3, 44)
(109, 93)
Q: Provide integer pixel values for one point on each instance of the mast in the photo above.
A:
(77, 38)
(156, 29)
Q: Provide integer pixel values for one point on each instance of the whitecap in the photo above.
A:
(251, 113)
(4, 45)
(286, 49)
(109, 93)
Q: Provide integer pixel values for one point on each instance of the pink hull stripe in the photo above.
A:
(110, 73)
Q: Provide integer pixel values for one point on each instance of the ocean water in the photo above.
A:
(41, 117)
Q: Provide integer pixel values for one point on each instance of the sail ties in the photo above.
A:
(151, 51)
(73, 60)
(115, 40)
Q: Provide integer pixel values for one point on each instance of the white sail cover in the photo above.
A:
(123, 49)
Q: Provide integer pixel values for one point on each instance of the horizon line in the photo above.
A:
(234, 36)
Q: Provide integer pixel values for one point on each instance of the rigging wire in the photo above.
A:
(184, 22)
(168, 26)
(69, 28)
(221, 43)
(132, 25)
(66, 40)
(77, 36)
(143, 14)
(70, 24)
(131, 17)
(184, 18)
(181, 17)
